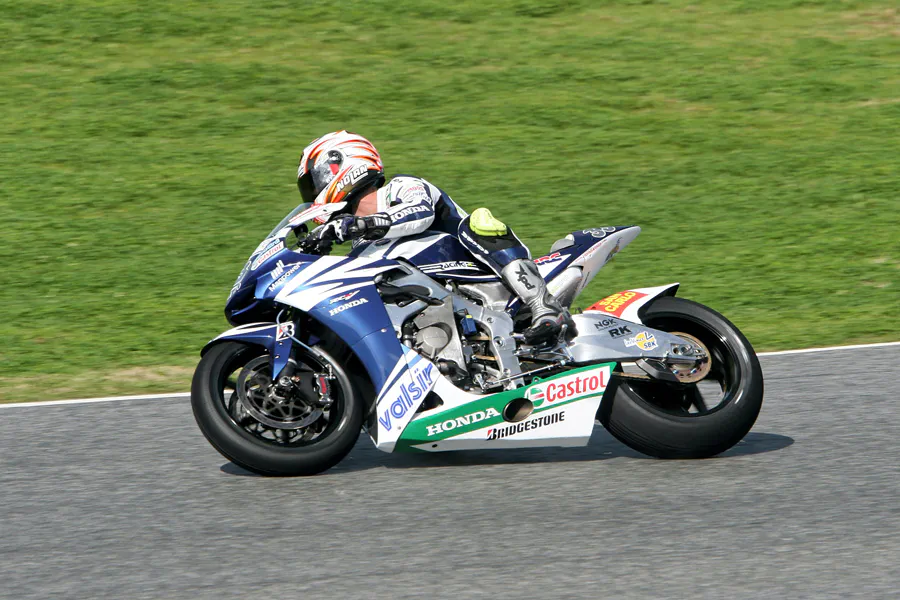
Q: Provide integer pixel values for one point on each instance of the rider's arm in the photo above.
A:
(407, 208)
(410, 207)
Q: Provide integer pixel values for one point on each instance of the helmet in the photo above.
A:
(339, 167)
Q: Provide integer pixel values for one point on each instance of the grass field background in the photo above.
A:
(148, 147)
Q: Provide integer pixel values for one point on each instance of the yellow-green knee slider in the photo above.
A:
(483, 222)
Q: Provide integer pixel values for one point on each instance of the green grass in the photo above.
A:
(147, 148)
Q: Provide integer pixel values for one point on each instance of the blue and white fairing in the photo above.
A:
(436, 254)
(442, 256)
(334, 290)
(407, 385)
(264, 263)
(340, 292)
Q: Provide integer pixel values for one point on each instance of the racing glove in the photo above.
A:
(347, 228)
(350, 228)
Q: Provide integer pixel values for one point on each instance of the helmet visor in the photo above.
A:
(319, 176)
(306, 187)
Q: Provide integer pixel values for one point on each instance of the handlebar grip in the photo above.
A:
(308, 244)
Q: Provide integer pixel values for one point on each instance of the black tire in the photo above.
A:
(638, 415)
(250, 452)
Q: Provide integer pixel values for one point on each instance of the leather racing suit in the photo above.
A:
(412, 205)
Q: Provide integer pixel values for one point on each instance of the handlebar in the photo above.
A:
(323, 238)
(310, 245)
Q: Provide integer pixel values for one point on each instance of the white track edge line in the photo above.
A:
(827, 349)
(187, 394)
(94, 400)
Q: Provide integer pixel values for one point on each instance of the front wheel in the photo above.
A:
(689, 420)
(303, 429)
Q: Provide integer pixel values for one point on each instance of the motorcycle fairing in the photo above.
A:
(404, 390)
(273, 337)
(627, 304)
(322, 285)
(255, 284)
(268, 255)
(563, 415)
(588, 250)
(340, 291)
(437, 254)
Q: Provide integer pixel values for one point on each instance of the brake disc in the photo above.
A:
(262, 399)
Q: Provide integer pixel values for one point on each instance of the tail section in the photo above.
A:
(576, 259)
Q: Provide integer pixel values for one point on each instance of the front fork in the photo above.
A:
(277, 338)
(282, 363)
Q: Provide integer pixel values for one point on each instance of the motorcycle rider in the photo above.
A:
(345, 167)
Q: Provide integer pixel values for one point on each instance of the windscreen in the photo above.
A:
(289, 216)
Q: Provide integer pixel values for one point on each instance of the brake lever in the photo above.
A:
(310, 246)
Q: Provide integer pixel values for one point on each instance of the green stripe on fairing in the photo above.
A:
(416, 432)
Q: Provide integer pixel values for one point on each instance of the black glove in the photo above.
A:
(347, 228)
(375, 226)
(319, 241)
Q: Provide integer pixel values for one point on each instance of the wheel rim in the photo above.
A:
(719, 386)
(307, 414)
(698, 370)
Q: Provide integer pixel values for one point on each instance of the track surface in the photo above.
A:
(127, 500)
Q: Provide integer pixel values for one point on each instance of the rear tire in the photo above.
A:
(237, 444)
(640, 414)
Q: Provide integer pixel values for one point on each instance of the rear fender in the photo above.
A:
(274, 337)
(601, 247)
(629, 304)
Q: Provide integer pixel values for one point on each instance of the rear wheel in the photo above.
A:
(303, 428)
(689, 420)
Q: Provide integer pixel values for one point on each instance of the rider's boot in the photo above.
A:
(547, 315)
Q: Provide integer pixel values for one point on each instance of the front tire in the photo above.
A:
(655, 418)
(255, 446)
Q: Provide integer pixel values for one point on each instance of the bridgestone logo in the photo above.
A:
(475, 417)
(495, 433)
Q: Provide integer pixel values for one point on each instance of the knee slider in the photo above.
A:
(484, 223)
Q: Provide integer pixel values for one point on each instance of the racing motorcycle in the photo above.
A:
(416, 343)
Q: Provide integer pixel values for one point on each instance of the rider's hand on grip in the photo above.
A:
(319, 241)
(343, 229)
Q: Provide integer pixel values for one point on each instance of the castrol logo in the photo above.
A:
(569, 388)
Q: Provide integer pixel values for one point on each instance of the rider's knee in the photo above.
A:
(483, 223)
(489, 238)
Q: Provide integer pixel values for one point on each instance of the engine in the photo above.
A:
(456, 342)
(466, 334)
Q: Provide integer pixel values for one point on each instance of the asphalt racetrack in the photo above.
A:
(127, 500)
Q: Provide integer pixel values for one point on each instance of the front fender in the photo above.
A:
(629, 304)
(275, 338)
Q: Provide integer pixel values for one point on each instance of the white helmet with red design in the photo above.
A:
(339, 167)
